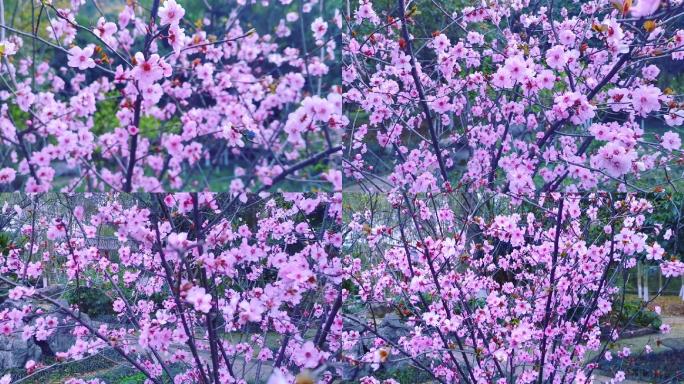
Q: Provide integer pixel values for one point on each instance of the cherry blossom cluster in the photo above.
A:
(508, 292)
(514, 97)
(200, 282)
(189, 106)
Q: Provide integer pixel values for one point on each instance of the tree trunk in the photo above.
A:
(644, 271)
(638, 279)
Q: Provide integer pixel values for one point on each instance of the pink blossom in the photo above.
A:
(149, 70)
(200, 300)
(319, 28)
(644, 8)
(30, 366)
(170, 13)
(556, 57)
(307, 355)
(80, 58)
(105, 30)
(7, 48)
(671, 141)
(645, 99)
(251, 310)
(7, 175)
(650, 72)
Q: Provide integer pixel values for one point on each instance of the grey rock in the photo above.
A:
(15, 352)
(391, 327)
(676, 344)
(62, 338)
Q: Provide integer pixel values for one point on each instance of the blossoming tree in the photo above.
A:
(493, 292)
(478, 133)
(517, 97)
(206, 289)
(141, 98)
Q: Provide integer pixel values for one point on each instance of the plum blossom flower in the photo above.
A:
(56, 230)
(251, 310)
(176, 37)
(133, 130)
(307, 356)
(200, 300)
(366, 11)
(615, 159)
(645, 99)
(7, 48)
(619, 377)
(7, 175)
(80, 58)
(567, 37)
(105, 30)
(30, 366)
(440, 42)
(654, 252)
(650, 72)
(674, 118)
(170, 13)
(556, 57)
(645, 8)
(147, 70)
(672, 268)
(671, 141)
(319, 28)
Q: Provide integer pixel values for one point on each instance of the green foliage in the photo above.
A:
(149, 126)
(135, 378)
(18, 116)
(5, 241)
(634, 314)
(91, 301)
(104, 119)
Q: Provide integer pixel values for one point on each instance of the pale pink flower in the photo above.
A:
(147, 71)
(645, 99)
(80, 58)
(7, 175)
(319, 28)
(200, 300)
(615, 159)
(671, 141)
(251, 311)
(307, 356)
(7, 48)
(170, 13)
(645, 8)
(105, 30)
(650, 72)
(556, 57)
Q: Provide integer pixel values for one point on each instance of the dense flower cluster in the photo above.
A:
(516, 297)
(513, 97)
(507, 165)
(466, 122)
(241, 109)
(264, 283)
